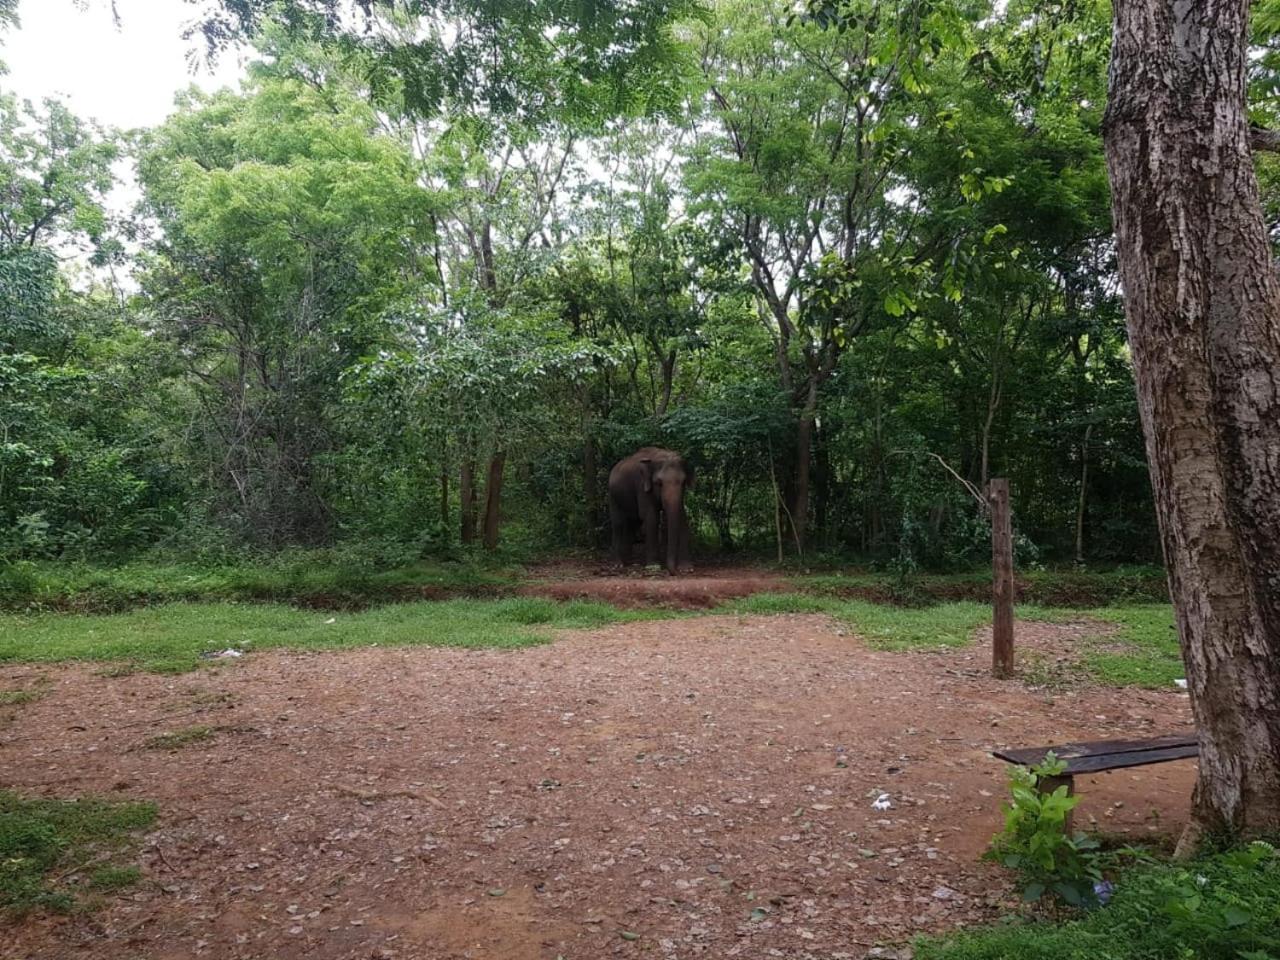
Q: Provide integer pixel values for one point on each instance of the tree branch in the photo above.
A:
(1263, 140)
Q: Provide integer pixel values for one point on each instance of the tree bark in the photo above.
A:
(1202, 303)
(1001, 578)
(590, 492)
(804, 466)
(444, 500)
(1083, 498)
(493, 500)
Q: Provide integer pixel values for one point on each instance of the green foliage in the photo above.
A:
(44, 844)
(340, 577)
(1035, 844)
(538, 62)
(842, 255)
(1224, 906)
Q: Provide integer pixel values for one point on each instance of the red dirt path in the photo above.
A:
(641, 587)
(702, 785)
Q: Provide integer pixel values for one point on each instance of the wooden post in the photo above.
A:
(1002, 579)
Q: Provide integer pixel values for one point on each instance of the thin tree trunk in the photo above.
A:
(590, 493)
(467, 496)
(493, 500)
(444, 499)
(668, 378)
(1084, 487)
(993, 404)
(1202, 301)
(804, 458)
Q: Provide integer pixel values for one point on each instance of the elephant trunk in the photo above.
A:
(673, 509)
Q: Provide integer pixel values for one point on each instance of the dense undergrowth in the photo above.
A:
(333, 580)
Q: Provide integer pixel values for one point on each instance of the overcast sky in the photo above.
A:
(123, 77)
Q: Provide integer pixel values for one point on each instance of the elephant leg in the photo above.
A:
(651, 537)
(684, 549)
(622, 536)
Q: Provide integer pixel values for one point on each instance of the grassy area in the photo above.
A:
(335, 579)
(172, 637)
(309, 578)
(1224, 906)
(881, 625)
(1050, 588)
(46, 846)
(1142, 652)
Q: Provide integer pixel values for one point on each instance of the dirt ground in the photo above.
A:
(707, 586)
(692, 788)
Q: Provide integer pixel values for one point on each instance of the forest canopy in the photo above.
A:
(436, 267)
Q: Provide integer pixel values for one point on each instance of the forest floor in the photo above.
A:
(690, 787)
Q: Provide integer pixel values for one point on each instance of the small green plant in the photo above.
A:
(12, 698)
(178, 739)
(45, 845)
(1035, 843)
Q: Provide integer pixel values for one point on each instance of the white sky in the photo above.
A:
(124, 77)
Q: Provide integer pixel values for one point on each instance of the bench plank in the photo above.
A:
(1098, 755)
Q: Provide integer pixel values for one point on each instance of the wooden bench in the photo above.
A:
(1099, 755)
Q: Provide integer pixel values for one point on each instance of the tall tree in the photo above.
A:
(1202, 300)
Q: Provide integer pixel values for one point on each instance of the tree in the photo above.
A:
(801, 168)
(291, 226)
(1202, 300)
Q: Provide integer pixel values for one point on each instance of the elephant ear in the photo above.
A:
(688, 477)
(647, 475)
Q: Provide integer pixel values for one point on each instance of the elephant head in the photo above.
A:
(667, 479)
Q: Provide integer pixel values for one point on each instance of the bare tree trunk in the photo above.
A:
(668, 379)
(993, 404)
(467, 496)
(804, 455)
(1202, 301)
(1084, 487)
(590, 493)
(444, 499)
(493, 500)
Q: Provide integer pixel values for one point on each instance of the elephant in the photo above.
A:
(644, 488)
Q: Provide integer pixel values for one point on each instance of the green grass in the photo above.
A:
(12, 698)
(171, 637)
(44, 844)
(1152, 657)
(880, 625)
(1224, 906)
(1056, 588)
(178, 739)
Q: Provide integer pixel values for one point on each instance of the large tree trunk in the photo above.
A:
(1203, 307)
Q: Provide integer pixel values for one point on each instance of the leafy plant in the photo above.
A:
(1035, 841)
